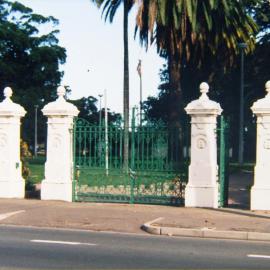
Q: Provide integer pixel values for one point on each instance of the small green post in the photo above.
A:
(132, 176)
(74, 161)
(223, 160)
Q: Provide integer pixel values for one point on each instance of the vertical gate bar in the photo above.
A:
(222, 163)
(115, 147)
(138, 165)
(80, 147)
(142, 143)
(226, 163)
(74, 161)
(132, 156)
(177, 144)
(110, 134)
(152, 148)
(90, 147)
(96, 146)
(84, 148)
(147, 148)
(106, 135)
(121, 148)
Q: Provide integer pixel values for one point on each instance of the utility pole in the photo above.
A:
(242, 47)
(35, 146)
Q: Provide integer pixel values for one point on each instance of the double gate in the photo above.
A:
(155, 172)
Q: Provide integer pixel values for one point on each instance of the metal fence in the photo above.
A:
(156, 172)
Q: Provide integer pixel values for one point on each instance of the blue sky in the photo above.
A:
(97, 46)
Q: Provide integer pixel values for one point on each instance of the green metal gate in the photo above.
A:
(223, 135)
(156, 174)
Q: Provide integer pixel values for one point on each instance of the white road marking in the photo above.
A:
(258, 256)
(6, 215)
(61, 242)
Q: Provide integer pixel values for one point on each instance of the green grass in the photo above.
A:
(36, 173)
(235, 167)
(36, 167)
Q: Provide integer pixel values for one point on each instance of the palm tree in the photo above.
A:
(186, 30)
(109, 9)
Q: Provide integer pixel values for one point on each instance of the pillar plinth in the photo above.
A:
(57, 184)
(202, 187)
(12, 185)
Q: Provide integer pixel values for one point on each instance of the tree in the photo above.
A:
(88, 111)
(225, 82)
(188, 31)
(29, 61)
(109, 8)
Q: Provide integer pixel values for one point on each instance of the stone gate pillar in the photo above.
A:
(260, 192)
(202, 187)
(12, 185)
(57, 184)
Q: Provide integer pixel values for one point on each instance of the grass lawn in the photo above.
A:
(36, 167)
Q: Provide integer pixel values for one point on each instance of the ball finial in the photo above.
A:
(8, 92)
(204, 87)
(267, 86)
(61, 91)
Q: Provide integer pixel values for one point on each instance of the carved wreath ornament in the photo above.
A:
(201, 142)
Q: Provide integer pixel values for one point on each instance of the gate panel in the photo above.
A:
(157, 172)
(95, 182)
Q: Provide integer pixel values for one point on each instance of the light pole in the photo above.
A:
(242, 47)
(35, 147)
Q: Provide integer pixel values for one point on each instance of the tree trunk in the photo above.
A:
(176, 98)
(126, 88)
(176, 111)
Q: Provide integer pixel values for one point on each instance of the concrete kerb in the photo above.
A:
(152, 227)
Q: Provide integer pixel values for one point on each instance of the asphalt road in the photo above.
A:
(29, 248)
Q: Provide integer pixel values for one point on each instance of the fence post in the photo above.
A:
(12, 185)
(202, 187)
(260, 192)
(223, 162)
(57, 184)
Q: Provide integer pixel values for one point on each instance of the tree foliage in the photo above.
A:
(88, 111)
(225, 83)
(29, 60)
(189, 33)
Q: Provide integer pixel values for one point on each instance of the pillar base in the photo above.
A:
(260, 198)
(12, 189)
(201, 196)
(56, 191)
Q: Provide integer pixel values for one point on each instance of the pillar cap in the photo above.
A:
(60, 107)
(8, 107)
(203, 105)
(262, 106)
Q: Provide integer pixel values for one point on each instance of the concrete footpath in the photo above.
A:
(166, 220)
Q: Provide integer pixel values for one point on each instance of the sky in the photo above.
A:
(95, 52)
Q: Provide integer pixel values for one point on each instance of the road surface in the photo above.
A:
(31, 248)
